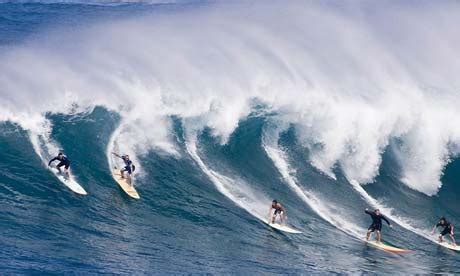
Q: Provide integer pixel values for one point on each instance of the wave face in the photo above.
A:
(223, 107)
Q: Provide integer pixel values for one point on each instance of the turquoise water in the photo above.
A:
(185, 222)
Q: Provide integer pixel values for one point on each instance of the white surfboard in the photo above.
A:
(284, 228)
(449, 245)
(69, 182)
(386, 247)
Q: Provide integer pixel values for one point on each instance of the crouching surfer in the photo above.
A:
(63, 162)
(279, 211)
(448, 228)
(129, 166)
(376, 225)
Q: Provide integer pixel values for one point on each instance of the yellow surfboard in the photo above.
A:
(123, 183)
(386, 247)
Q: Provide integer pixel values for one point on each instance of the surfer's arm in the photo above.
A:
(434, 228)
(368, 212)
(385, 219)
(51, 161)
(270, 214)
(117, 155)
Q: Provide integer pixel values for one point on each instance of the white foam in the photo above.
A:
(119, 144)
(43, 145)
(327, 212)
(348, 78)
(391, 213)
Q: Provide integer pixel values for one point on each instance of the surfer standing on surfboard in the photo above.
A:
(63, 161)
(448, 229)
(129, 166)
(376, 223)
(279, 210)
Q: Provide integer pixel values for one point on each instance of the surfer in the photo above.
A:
(129, 166)
(448, 229)
(63, 161)
(376, 223)
(279, 210)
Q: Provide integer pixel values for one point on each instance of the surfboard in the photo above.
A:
(125, 186)
(284, 228)
(69, 182)
(449, 245)
(386, 247)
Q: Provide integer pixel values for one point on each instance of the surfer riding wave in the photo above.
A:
(129, 166)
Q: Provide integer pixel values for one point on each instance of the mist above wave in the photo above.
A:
(349, 76)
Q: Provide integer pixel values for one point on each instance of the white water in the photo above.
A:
(349, 75)
(46, 148)
(278, 157)
(391, 213)
(326, 212)
(119, 143)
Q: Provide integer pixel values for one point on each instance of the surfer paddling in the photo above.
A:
(129, 166)
(376, 225)
(279, 211)
(448, 229)
(63, 161)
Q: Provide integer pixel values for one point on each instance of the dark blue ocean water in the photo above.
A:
(182, 223)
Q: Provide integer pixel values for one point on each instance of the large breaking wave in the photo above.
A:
(350, 77)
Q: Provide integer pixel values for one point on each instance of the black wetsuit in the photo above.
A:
(129, 167)
(64, 161)
(376, 221)
(448, 228)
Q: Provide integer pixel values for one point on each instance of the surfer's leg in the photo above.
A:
(453, 239)
(275, 216)
(379, 236)
(379, 232)
(129, 180)
(451, 234)
(125, 169)
(369, 231)
(368, 234)
(58, 167)
(129, 171)
(66, 169)
(444, 232)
